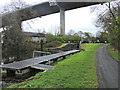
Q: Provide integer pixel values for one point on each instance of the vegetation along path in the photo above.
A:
(107, 69)
(76, 71)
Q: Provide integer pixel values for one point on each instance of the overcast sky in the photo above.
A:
(80, 19)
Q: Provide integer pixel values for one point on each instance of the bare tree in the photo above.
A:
(71, 32)
(108, 18)
(14, 39)
(55, 30)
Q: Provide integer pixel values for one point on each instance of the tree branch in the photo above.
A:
(112, 13)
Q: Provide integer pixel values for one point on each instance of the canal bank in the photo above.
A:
(76, 71)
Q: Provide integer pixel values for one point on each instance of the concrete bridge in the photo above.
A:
(43, 9)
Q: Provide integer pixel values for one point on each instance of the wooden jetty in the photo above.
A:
(42, 67)
(35, 62)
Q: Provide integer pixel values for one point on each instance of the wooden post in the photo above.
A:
(80, 45)
(10, 73)
(1, 61)
(64, 57)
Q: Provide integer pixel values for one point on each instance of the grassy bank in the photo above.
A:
(76, 71)
(58, 46)
(63, 44)
(114, 53)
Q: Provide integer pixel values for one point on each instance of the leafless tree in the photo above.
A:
(71, 32)
(14, 39)
(108, 18)
(55, 30)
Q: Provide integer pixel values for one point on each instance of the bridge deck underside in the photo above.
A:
(42, 9)
(33, 61)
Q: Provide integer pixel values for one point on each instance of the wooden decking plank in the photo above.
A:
(29, 62)
(42, 67)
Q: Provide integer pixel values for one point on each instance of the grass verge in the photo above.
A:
(76, 71)
(84, 45)
(63, 44)
(114, 53)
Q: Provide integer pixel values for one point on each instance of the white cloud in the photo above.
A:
(77, 19)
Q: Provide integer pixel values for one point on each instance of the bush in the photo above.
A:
(51, 38)
(60, 39)
(71, 38)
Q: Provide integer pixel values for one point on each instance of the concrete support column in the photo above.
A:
(62, 22)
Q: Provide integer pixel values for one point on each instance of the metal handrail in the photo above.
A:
(40, 52)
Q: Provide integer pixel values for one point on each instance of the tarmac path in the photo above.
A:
(107, 68)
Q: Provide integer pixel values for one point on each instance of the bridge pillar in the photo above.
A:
(62, 22)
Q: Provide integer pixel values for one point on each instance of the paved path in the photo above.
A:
(107, 69)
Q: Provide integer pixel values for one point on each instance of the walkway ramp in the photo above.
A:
(42, 67)
(37, 60)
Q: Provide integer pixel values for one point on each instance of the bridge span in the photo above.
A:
(43, 9)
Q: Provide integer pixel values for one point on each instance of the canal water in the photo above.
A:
(7, 81)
